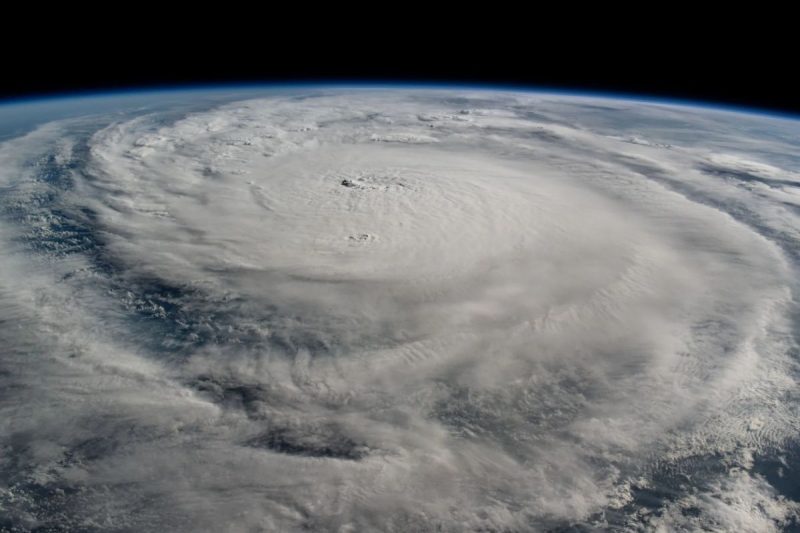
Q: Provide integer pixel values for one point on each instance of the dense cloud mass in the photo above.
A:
(400, 310)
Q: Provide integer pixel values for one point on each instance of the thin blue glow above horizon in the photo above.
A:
(155, 90)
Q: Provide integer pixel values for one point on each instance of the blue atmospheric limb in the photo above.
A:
(289, 85)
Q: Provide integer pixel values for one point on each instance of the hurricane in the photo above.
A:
(398, 309)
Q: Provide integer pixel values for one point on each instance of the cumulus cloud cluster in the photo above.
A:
(400, 311)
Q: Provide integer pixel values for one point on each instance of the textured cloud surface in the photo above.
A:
(400, 310)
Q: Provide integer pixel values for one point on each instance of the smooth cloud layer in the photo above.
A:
(395, 310)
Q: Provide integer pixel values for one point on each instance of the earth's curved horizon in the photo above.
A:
(329, 84)
(315, 307)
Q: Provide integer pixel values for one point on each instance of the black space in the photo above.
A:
(714, 63)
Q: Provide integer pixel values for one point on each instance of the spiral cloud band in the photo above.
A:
(400, 310)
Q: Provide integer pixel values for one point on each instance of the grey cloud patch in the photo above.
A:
(741, 175)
